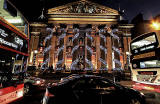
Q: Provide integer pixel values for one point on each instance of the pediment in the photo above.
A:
(83, 6)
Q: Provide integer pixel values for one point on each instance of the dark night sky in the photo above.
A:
(150, 8)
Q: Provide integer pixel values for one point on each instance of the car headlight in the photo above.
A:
(142, 93)
(19, 93)
(38, 82)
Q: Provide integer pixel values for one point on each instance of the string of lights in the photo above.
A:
(59, 62)
(45, 62)
(47, 48)
(90, 64)
(118, 62)
(113, 35)
(89, 49)
(50, 35)
(74, 49)
(103, 48)
(89, 36)
(103, 61)
(60, 49)
(116, 49)
(73, 64)
(76, 35)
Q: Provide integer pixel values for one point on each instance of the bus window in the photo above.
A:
(144, 42)
(146, 64)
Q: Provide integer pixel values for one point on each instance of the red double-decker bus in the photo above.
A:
(13, 61)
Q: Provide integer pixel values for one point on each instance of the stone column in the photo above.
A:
(60, 52)
(52, 51)
(109, 53)
(98, 52)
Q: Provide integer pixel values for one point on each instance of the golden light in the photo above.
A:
(156, 25)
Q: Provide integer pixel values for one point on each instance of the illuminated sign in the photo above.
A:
(146, 48)
(147, 72)
(10, 39)
(2, 32)
(145, 55)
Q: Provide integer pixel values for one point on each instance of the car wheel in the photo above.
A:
(27, 89)
(135, 101)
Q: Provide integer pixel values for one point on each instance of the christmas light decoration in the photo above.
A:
(61, 36)
(75, 37)
(63, 31)
(89, 36)
(73, 64)
(103, 61)
(60, 49)
(44, 63)
(116, 49)
(59, 68)
(118, 62)
(75, 48)
(101, 31)
(76, 31)
(103, 48)
(117, 69)
(50, 35)
(89, 49)
(90, 64)
(47, 49)
(113, 35)
(59, 62)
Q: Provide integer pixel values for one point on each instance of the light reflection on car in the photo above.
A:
(90, 89)
(31, 82)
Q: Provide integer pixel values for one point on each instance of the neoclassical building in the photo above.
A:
(81, 35)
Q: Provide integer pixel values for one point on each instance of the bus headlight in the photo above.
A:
(19, 93)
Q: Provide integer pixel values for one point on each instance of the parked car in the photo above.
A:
(90, 89)
(30, 83)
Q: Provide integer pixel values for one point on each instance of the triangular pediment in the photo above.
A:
(83, 6)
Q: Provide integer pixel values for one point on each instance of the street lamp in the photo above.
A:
(155, 25)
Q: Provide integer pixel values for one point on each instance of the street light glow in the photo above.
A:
(156, 25)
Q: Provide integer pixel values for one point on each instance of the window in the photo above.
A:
(101, 84)
(143, 42)
(146, 64)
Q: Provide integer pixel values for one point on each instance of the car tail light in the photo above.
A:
(48, 94)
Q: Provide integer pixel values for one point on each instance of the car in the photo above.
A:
(91, 89)
(68, 77)
(30, 83)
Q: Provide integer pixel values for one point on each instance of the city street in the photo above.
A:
(36, 97)
(79, 51)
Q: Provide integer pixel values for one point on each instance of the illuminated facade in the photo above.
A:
(83, 35)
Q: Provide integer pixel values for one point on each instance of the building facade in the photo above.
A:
(82, 36)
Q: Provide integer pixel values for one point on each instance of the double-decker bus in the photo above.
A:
(13, 52)
(145, 61)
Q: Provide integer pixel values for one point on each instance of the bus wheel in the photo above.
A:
(134, 101)
(27, 87)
